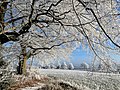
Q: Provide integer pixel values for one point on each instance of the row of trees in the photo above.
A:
(52, 29)
(69, 66)
(60, 66)
(100, 67)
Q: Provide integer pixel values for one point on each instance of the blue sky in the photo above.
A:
(80, 55)
(116, 58)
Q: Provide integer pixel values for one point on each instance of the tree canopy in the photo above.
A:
(54, 28)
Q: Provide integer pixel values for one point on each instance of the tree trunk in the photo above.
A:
(22, 63)
(20, 66)
(21, 69)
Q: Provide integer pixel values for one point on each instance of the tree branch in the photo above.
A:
(90, 9)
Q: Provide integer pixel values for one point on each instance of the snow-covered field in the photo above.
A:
(85, 80)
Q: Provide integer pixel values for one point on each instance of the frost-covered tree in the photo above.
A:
(118, 68)
(52, 66)
(5, 72)
(58, 65)
(108, 68)
(84, 66)
(2, 62)
(51, 29)
(64, 66)
(70, 66)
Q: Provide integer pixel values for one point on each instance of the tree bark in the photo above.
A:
(22, 62)
(24, 65)
(20, 66)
